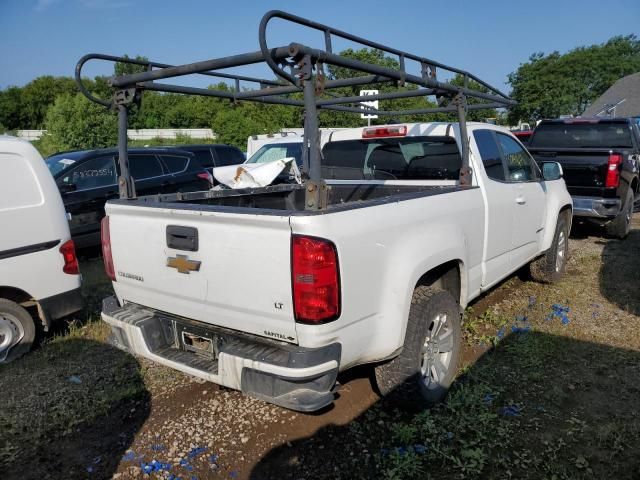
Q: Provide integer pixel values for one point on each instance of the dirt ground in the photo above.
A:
(549, 389)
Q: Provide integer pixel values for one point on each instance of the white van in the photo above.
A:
(39, 274)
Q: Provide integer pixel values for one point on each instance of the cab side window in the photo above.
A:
(490, 154)
(94, 173)
(520, 165)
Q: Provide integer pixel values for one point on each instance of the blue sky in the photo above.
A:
(488, 38)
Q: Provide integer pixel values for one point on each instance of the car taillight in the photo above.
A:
(205, 176)
(68, 251)
(613, 170)
(377, 132)
(315, 280)
(105, 239)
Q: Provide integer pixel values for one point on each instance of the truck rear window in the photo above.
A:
(581, 135)
(406, 158)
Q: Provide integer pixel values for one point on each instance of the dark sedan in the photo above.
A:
(88, 178)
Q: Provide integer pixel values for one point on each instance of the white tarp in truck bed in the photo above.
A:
(251, 175)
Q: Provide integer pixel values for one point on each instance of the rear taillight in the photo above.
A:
(205, 176)
(68, 251)
(105, 239)
(315, 280)
(613, 171)
(377, 132)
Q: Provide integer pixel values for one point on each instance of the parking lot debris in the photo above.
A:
(521, 325)
(488, 398)
(129, 456)
(194, 452)
(186, 465)
(422, 449)
(510, 411)
(561, 312)
(418, 448)
(75, 379)
(155, 466)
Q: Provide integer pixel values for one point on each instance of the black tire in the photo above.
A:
(620, 226)
(550, 267)
(405, 372)
(15, 322)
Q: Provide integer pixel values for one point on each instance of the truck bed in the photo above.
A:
(290, 199)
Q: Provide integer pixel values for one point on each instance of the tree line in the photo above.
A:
(545, 86)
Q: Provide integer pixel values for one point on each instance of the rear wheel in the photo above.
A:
(621, 225)
(550, 267)
(17, 331)
(429, 359)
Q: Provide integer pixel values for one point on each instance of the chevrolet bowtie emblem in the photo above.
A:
(183, 264)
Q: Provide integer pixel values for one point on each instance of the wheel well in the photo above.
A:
(15, 294)
(25, 300)
(445, 276)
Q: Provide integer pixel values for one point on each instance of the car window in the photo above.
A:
(144, 166)
(94, 173)
(174, 163)
(402, 158)
(581, 135)
(228, 156)
(204, 157)
(520, 167)
(490, 154)
(276, 151)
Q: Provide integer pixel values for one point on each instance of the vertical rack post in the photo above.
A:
(461, 106)
(125, 184)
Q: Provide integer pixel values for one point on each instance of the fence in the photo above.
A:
(142, 134)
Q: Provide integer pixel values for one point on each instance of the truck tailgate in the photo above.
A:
(584, 170)
(242, 282)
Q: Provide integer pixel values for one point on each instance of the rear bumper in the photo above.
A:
(287, 375)
(596, 207)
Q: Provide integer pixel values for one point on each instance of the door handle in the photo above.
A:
(520, 200)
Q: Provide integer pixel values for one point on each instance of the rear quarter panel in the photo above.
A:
(383, 251)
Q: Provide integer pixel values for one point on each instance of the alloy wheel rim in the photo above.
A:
(11, 333)
(561, 251)
(437, 350)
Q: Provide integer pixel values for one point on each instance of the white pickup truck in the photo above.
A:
(259, 294)
(275, 289)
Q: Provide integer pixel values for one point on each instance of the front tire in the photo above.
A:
(550, 267)
(17, 331)
(429, 359)
(620, 226)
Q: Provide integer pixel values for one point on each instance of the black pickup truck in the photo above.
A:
(600, 158)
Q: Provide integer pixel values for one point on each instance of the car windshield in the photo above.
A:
(62, 161)
(276, 151)
(581, 135)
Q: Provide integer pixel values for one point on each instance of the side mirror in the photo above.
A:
(67, 187)
(552, 171)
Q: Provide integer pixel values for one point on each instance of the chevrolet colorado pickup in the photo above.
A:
(600, 158)
(369, 257)
(269, 298)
